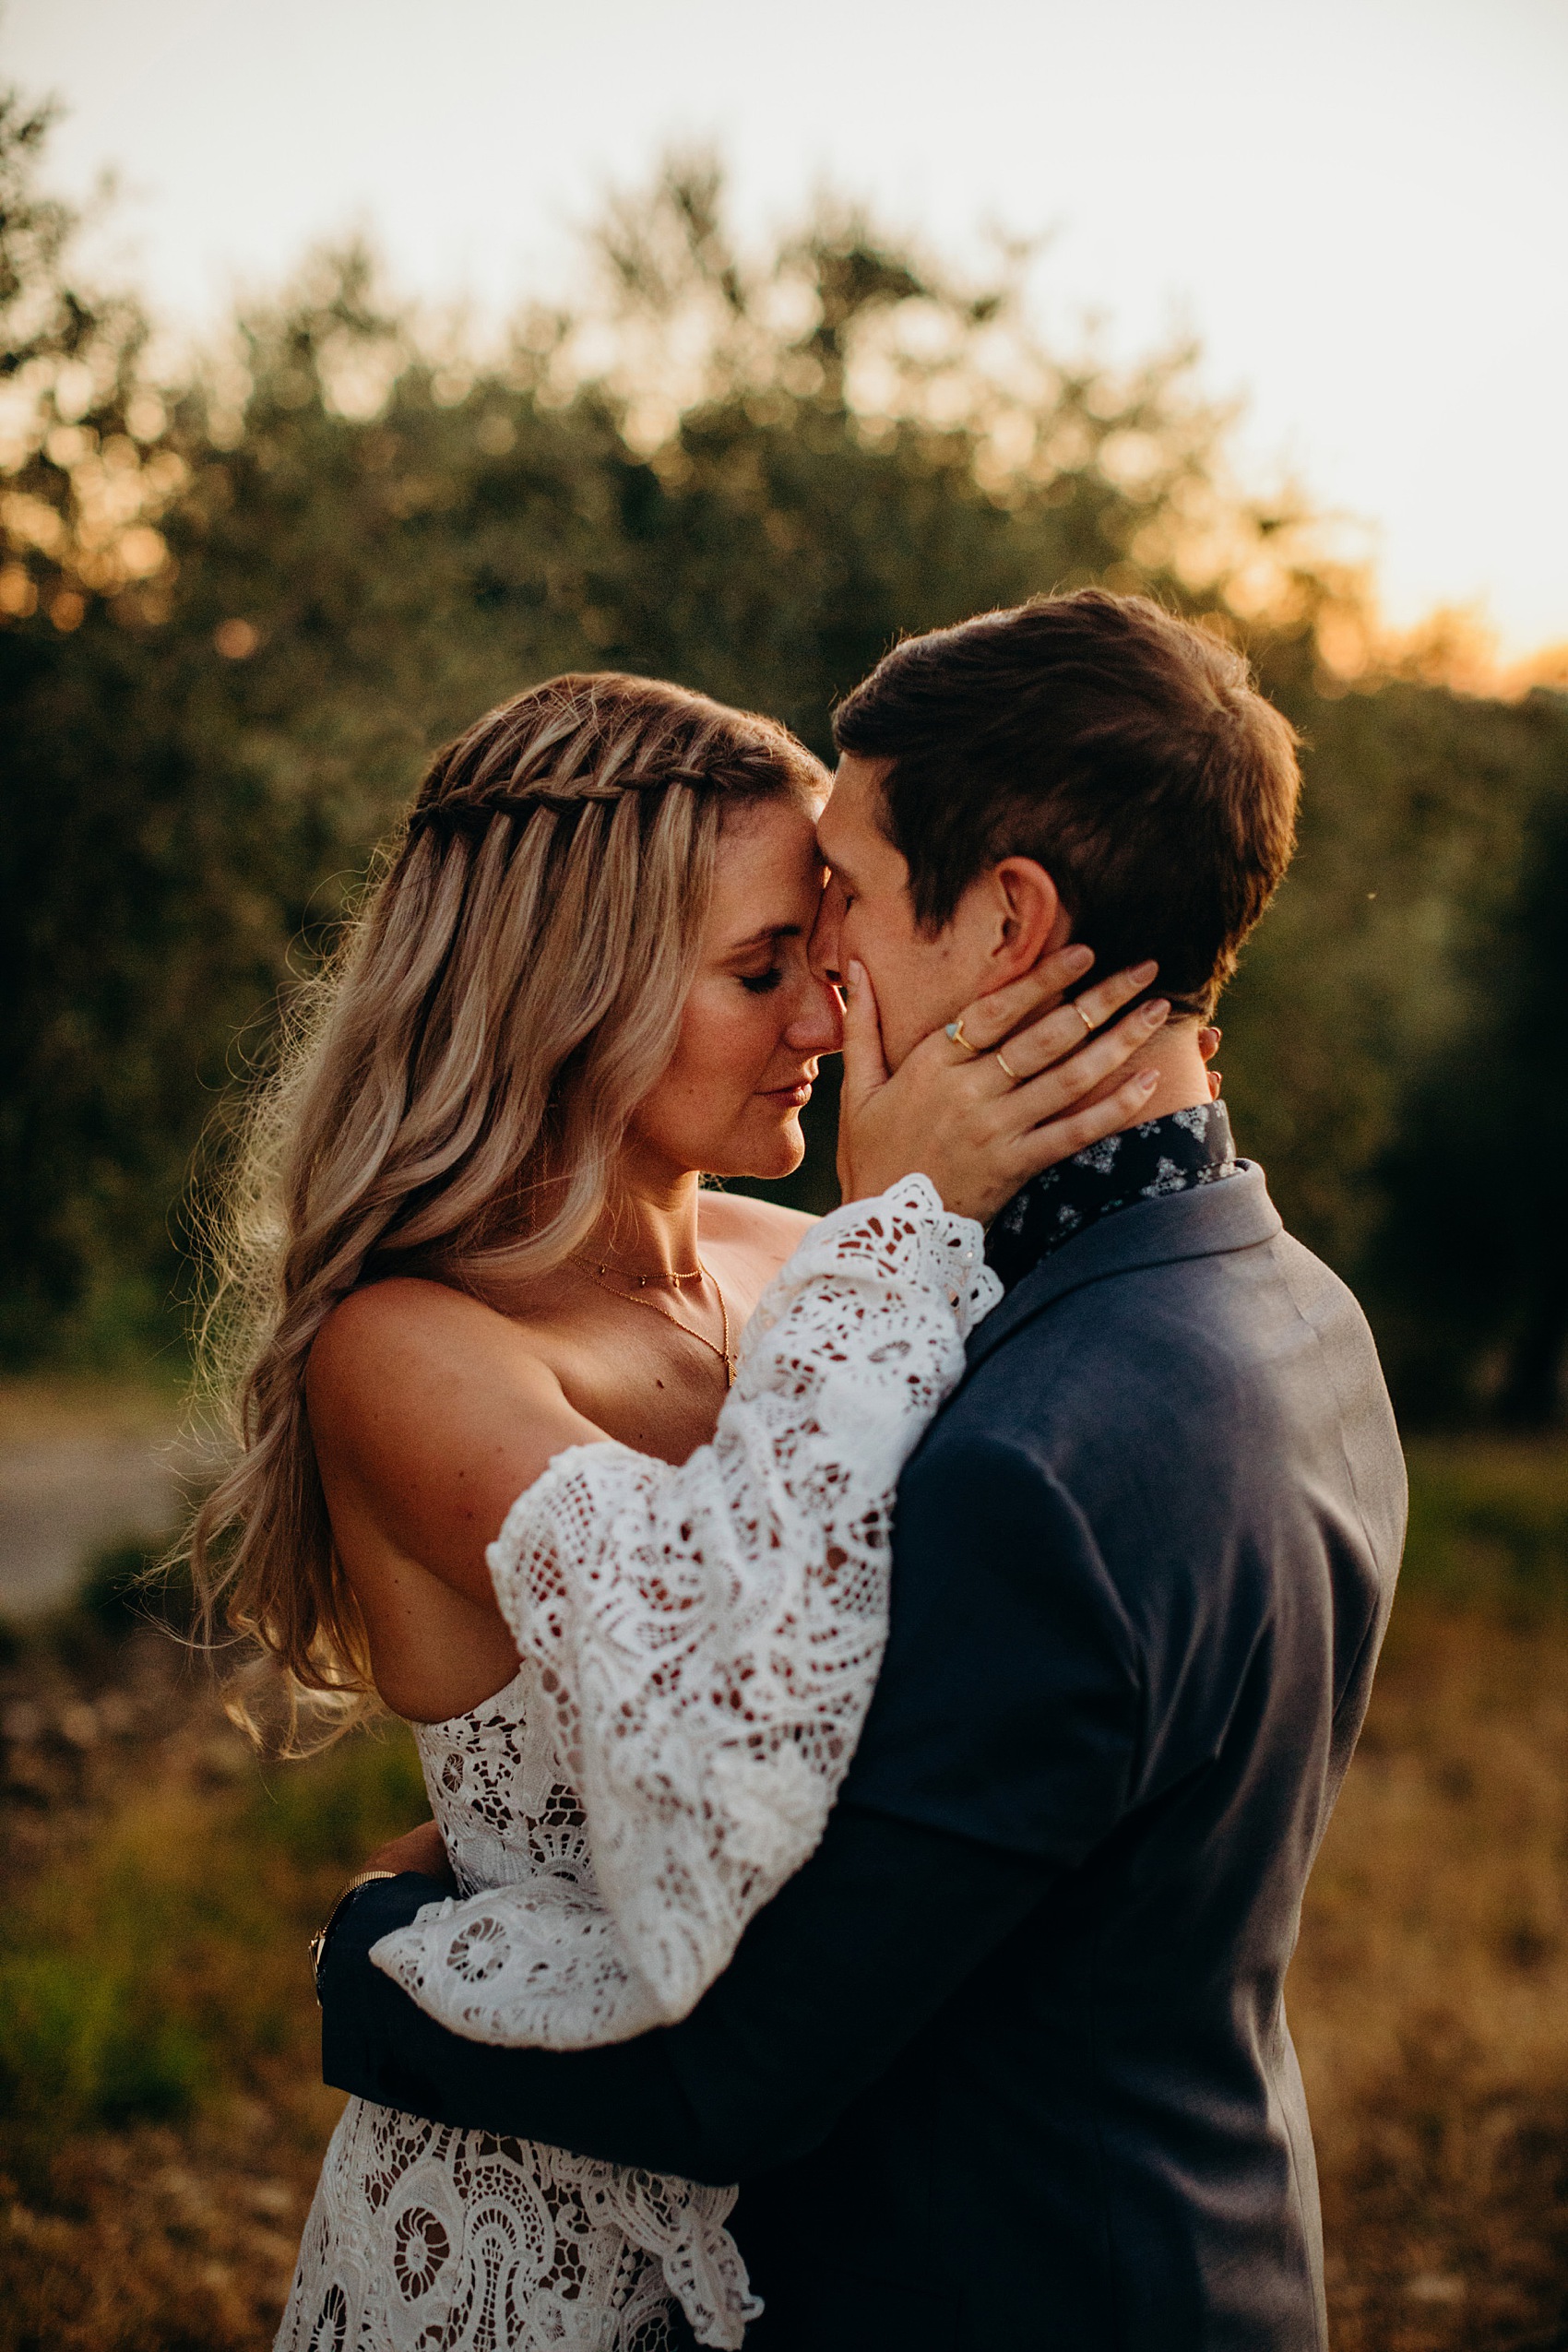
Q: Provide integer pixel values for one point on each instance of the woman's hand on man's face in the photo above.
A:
(978, 1121)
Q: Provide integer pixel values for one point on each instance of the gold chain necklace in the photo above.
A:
(630, 1298)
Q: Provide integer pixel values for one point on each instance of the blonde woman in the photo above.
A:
(584, 1470)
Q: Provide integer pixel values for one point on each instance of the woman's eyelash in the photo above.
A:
(763, 983)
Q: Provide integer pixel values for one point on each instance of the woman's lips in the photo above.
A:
(797, 1097)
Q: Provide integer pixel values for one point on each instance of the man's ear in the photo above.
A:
(1026, 917)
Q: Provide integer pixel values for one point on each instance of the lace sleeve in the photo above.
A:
(708, 1638)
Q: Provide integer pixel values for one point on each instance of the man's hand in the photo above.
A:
(417, 1849)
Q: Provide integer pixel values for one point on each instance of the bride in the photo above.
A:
(582, 1468)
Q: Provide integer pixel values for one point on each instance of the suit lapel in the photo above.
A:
(1235, 1214)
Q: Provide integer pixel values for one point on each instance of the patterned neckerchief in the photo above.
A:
(1168, 1155)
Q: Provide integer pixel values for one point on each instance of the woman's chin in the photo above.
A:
(791, 1151)
(767, 1156)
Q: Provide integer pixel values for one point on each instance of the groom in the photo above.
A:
(1006, 2065)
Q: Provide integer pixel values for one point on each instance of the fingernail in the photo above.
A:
(1144, 973)
(1148, 1080)
(1155, 1012)
(1078, 959)
(857, 973)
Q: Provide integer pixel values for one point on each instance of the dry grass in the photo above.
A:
(1429, 1996)
(163, 2115)
(157, 2051)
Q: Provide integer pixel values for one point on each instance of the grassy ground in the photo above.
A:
(162, 2119)
(159, 2066)
(1430, 1993)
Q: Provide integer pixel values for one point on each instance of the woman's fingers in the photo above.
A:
(865, 1064)
(1039, 1092)
(1061, 1032)
(1061, 1138)
(1095, 1005)
(991, 1018)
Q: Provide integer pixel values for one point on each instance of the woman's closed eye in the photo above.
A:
(761, 983)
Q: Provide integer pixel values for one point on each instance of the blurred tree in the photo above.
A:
(1390, 1049)
(1470, 1265)
(82, 489)
(91, 1127)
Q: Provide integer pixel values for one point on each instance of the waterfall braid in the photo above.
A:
(455, 1098)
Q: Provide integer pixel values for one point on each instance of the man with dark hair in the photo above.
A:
(1006, 2065)
(1122, 749)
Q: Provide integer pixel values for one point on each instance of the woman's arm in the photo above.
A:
(707, 1637)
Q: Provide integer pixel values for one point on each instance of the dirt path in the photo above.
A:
(80, 1469)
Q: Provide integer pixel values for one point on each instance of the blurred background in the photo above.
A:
(412, 355)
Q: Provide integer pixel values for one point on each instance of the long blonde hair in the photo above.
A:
(453, 1096)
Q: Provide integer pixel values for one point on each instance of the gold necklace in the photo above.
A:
(630, 1298)
(642, 1280)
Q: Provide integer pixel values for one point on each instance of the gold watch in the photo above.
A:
(319, 1939)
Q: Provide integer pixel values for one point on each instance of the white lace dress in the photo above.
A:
(698, 1648)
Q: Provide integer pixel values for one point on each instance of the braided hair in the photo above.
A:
(455, 1100)
(574, 761)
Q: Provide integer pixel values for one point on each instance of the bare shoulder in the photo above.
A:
(430, 1413)
(400, 1320)
(761, 1227)
(406, 1356)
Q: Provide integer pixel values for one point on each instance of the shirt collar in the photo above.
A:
(1168, 1155)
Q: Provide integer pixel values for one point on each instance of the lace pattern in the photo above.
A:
(422, 2239)
(699, 1646)
(422, 2236)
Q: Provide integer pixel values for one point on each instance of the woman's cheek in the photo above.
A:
(708, 1037)
(760, 1022)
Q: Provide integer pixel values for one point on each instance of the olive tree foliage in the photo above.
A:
(82, 489)
(1392, 1049)
(748, 470)
(846, 440)
(93, 878)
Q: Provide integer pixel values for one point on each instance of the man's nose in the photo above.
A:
(818, 1027)
(822, 948)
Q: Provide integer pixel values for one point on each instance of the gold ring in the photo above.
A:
(1003, 1063)
(955, 1031)
(1090, 1026)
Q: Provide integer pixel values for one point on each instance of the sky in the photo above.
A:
(1358, 206)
